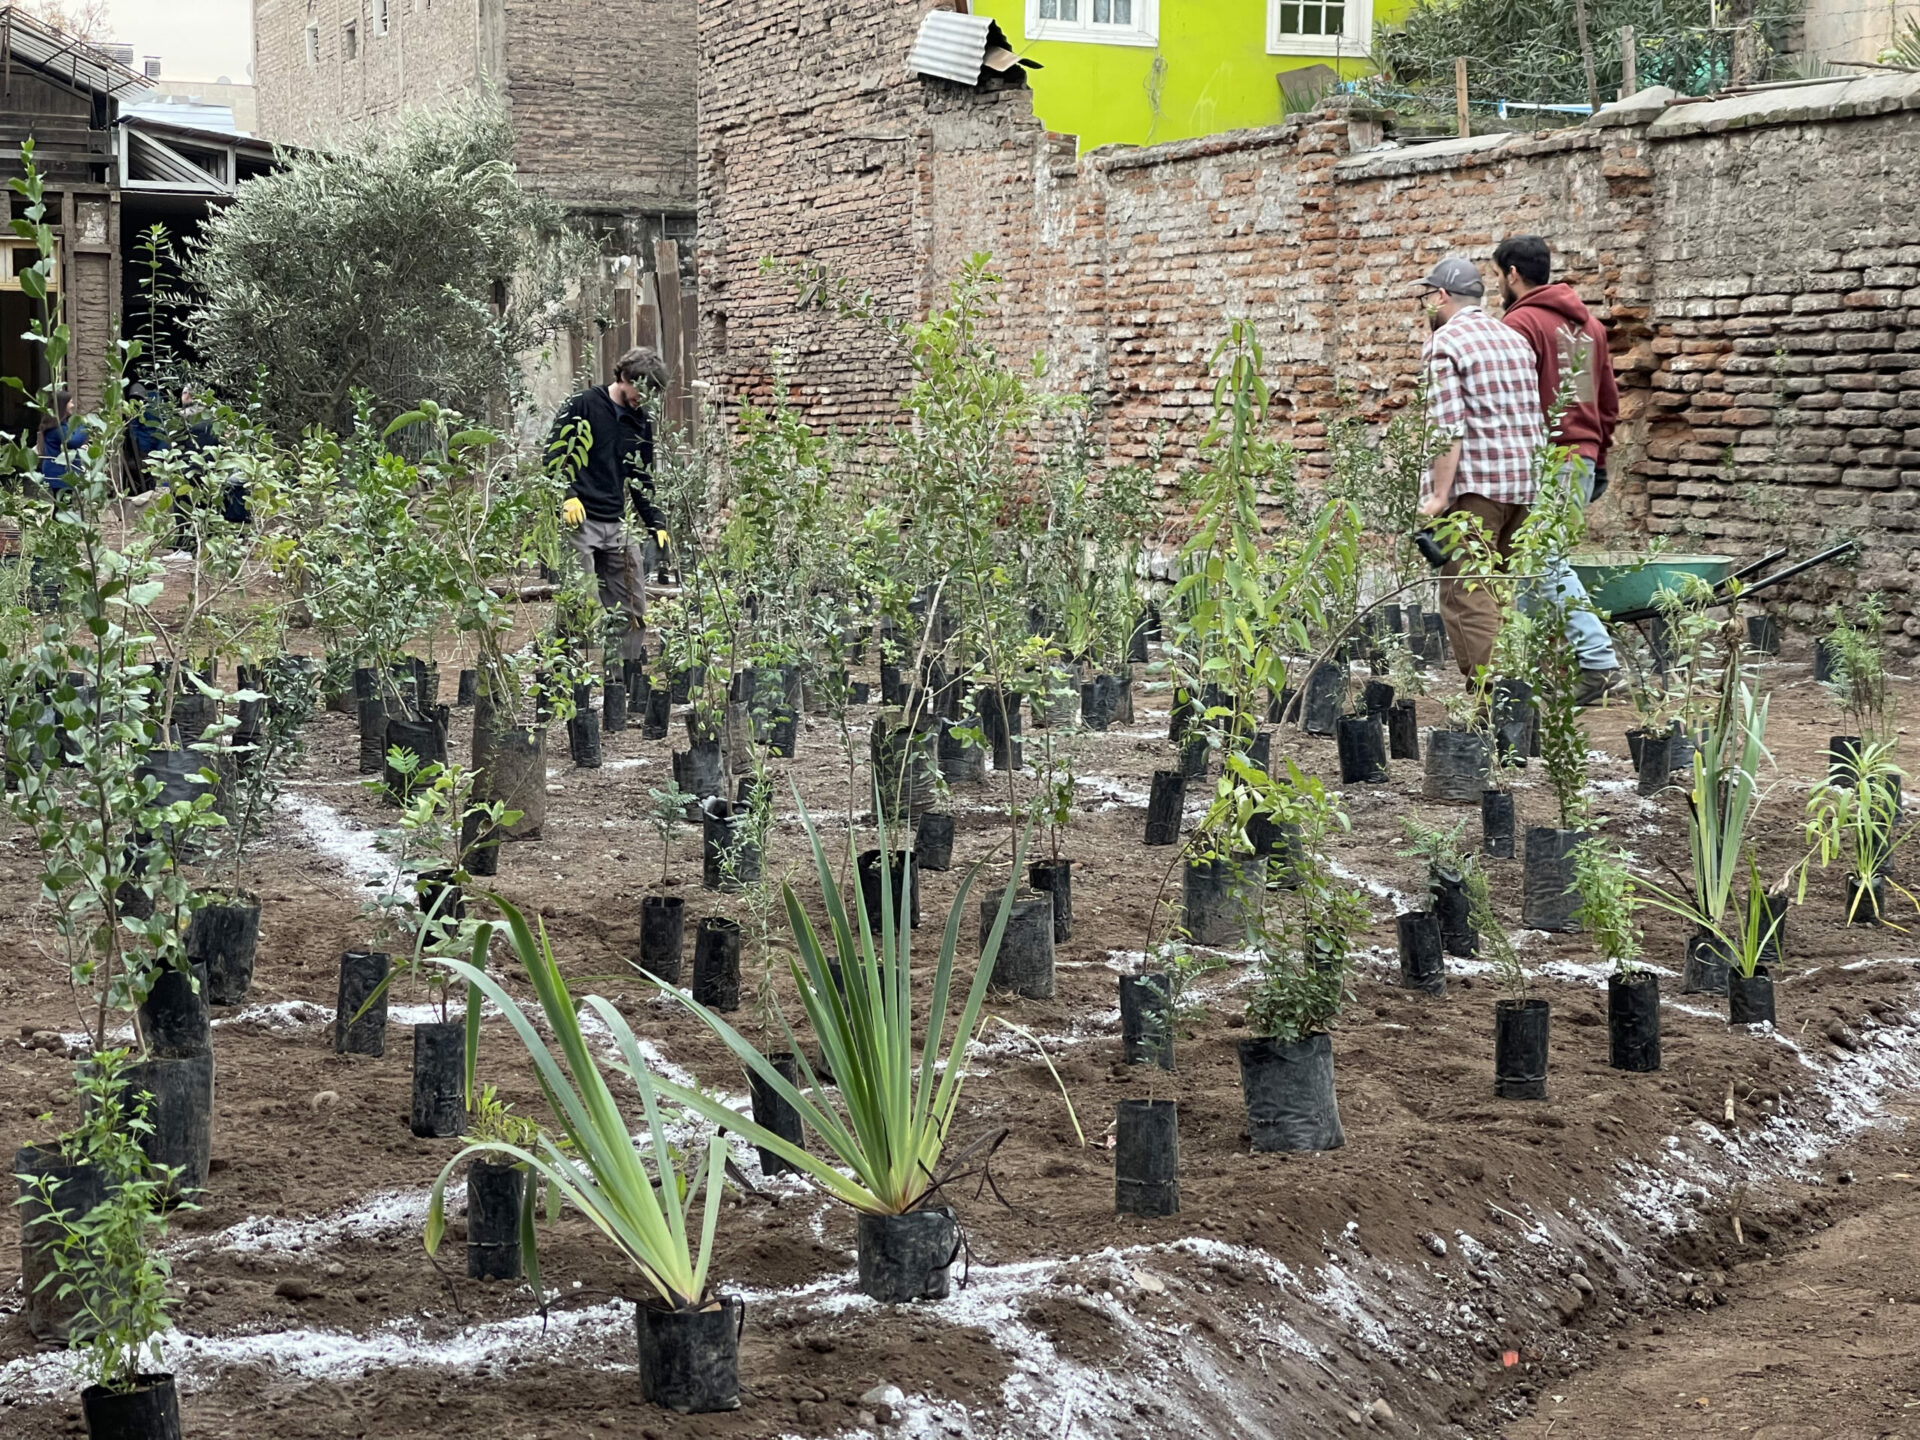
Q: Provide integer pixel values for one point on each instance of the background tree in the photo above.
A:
(1531, 52)
(407, 264)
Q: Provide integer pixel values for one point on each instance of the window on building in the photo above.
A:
(1095, 22)
(1319, 27)
(313, 42)
(378, 20)
(350, 41)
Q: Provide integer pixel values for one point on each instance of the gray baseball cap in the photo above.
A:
(1455, 276)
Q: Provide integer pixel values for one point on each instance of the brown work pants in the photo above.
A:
(615, 559)
(1470, 609)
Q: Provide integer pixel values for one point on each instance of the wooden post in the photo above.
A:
(1460, 95)
(666, 269)
(1629, 64)
(1586, 56)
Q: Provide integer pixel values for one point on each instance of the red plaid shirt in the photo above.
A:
(1482, 390)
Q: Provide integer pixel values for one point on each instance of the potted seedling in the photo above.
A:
(1857, 681)
(226, 927)
(496, 1189)
(108, 1270)
(1725, 794)
(885, 1139)
(1520, 1018)
(1460, 757)
(417, 917)
(1854, 812)
(1286, 1068)
(1448, 864)
(663, 916)
(1609, 904)
(1548, 897)
(598, 1162)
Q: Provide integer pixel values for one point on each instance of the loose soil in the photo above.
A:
(1460, 1263)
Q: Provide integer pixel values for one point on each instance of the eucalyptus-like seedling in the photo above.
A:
(1609, 902)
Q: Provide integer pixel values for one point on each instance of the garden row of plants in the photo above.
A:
(992, 573)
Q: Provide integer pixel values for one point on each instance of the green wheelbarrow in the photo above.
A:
(1625, 588)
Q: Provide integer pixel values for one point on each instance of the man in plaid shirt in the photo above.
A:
(1482, 390)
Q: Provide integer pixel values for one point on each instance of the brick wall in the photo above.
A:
(601, 91)
(1754, 260)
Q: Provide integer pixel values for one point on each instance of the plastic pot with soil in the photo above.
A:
(1024, 963)
(1459, 763)
(1218, 895)
(1708, 960)
(1146, 1158)
(495, 1193)
(360, 1028)
(1056, 878)
(690, 1359)
(1496, 824)
(772, 1110)
(224, 936)
(179, 1101)
(1325, 698)
(1520, 1030)
(716, 963)
(77, 1188)
(149, 1410)
(1548, 899)
(933, 842)
(1403, 731)
(730, 853)
(1423, 965)
(1750, 997)
(439, 1080)
(1633, 1021)
(510, 761)
(1165, 803)
(1289, 1092)
(1363, 750)
(905, 885)
(174, 1017)
(1453, 909)
(662, 936)
(908, 1257)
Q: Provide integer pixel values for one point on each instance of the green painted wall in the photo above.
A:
(1215, 73)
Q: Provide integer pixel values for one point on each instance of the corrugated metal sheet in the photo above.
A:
(26, 39)
(950, 46)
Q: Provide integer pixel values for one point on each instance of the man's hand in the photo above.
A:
(573, 513)
(1433, 505)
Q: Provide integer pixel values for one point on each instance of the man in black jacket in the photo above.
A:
(606, 438)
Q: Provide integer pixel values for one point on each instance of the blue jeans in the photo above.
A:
(1585, 631)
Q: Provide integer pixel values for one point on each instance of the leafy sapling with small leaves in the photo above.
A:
(1608, 902)
(666, 812)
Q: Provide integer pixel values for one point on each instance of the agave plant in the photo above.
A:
(597, 1166)
(897, 1108)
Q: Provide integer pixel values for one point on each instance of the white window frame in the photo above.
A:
(313, 43)
(381, 19)
(1143, 31)
(350, 40)
(1354, 41)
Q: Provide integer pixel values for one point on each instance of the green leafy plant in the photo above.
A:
(492, 1120)
(597, 1165)
(1859, 683)
(890, 1128)
(1857, 811)
(1608, 902)
(110, 1259)
(1495, 943)
(666, 812)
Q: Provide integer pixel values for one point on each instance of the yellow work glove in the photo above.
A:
(573, 512)
(661, 536)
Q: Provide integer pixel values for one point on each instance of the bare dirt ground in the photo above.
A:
(1460, 1263)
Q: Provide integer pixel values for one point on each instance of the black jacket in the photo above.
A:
(619, 463)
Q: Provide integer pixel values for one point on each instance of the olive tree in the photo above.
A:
(405, 263)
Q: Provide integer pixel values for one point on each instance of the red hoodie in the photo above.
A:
(1559, 328)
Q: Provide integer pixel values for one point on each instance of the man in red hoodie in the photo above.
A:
(1576, 380)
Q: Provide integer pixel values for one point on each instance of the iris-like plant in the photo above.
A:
(897, 1109)
(596, 1165)
(1859, 810)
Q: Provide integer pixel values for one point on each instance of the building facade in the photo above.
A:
(1143, 72)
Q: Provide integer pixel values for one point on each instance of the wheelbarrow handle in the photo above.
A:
(1762, 563)
(1843, 548)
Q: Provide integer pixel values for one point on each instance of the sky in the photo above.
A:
(195, 39)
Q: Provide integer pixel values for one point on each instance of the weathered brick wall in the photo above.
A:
(601, 91)
(428, 51)
(1756, 261)
(1786, 299)
(603, 101)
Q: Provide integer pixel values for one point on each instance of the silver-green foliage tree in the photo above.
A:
(405, 263)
